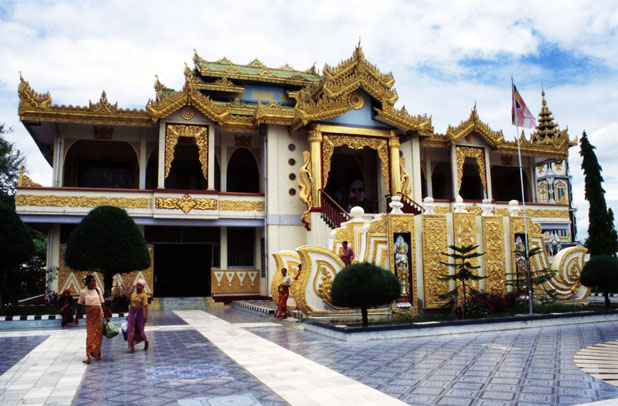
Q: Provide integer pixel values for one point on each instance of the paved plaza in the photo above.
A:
(234, 357)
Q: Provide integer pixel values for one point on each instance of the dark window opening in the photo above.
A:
(471, 186)
(241, 247)
(186, 171)
(242, 172)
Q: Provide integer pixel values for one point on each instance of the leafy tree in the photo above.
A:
(364, 285)
(11, 159)
(519, 279)
(16, 248)
(601, 272)
(107, 240)
(464, 272)
(602, 237)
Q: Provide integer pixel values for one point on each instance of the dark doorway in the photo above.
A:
(506, 184)
(353, 178)
(186, 170)
(471, 186)
(243, 174)
(182, 270)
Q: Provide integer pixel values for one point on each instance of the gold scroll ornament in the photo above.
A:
(479, 155)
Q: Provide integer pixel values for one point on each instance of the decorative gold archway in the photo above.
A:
(479, 155)
(175, 131)
(329, 143)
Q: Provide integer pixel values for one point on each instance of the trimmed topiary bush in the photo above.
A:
(364, 285)
(16, 246)
(601, 272)
(107, 240)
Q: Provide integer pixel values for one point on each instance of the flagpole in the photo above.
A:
(523, 199)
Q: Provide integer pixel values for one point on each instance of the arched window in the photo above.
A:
(243, 174)
(101, 164)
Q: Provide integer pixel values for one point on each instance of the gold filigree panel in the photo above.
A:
(234, 281)
(233, 205)
(464, 225)
(479, 155)
(330, 142)
(82, 201)
(495, 257)
(186, 203)
(175, 131)
(434, 244)
(305, 185)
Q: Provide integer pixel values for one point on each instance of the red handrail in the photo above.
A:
(331, 211)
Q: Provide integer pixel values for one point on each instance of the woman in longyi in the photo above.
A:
(92, 298)
(138, 316)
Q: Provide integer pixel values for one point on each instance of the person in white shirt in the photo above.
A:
(92, 298)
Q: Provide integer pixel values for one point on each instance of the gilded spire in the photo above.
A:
(546, 128)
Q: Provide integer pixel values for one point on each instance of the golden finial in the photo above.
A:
(21, 169)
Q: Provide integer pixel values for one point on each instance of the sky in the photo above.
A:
(445, 56)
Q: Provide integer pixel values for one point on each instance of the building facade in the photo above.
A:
(245, 161)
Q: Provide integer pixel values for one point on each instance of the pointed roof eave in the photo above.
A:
(273, 113)
(35, 106)
(473, 125)
(405, 121)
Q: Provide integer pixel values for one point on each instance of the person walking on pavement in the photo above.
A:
(92, 298)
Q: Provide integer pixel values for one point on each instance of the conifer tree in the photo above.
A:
(602, 237)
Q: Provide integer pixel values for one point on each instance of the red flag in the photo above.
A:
(519, 112)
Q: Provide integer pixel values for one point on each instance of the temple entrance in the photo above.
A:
(182, 270)
(186, 170)
(353, 178)
(471, 186)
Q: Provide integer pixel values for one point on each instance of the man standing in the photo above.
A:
(347, 255)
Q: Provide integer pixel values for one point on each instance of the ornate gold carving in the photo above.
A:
(406, 187)
(234, 205)
(442, 209)
(324, 280)
(473, 209)
(331, 141)
(187, 113)
(82, 201)
(103, 133)
(495, 259)
(174, 131)
(548, 213)
(479, 155)
(434, 244)
(305, 184)
(242, 141)
(221, 85)
(356, 100)
(38, 107)
(24, 181)
(473, 125)
(464, 225)
(186, 203)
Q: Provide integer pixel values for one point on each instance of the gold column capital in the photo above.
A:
(315, 135)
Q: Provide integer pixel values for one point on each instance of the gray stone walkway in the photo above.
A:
(197, 359)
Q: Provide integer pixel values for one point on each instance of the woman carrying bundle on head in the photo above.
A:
(138, 316)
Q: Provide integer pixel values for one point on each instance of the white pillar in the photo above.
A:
(211, 157)
(223, 247)
(415, 166)
(161, 169)
(490, 192)
(454, 175)
(143, 160)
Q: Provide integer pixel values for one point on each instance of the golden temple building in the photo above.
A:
(248, 168)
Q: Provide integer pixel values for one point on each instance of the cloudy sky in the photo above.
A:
(445, 57)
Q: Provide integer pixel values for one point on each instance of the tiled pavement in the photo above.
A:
(196, 359)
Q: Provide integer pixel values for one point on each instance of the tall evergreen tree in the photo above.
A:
(602, 237)
(11, 159)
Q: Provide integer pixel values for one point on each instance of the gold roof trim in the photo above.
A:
(273, 113)
(401, 118)
(474, 125)
(221, 85)
(38, 107)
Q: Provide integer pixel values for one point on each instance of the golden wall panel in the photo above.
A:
(464, 225)
(235, 281)
(434, 244)
(82, 201)
(495, 257)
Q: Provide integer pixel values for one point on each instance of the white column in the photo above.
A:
(490, 192)
(143, 160)
(223, 164)
(428, 174)
(454, 174)
(417, 186)
(223, 247)
(161, 169)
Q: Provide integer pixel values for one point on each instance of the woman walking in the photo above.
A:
(284, 293)
(66, 301)
(138, 316)
(92, 298)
